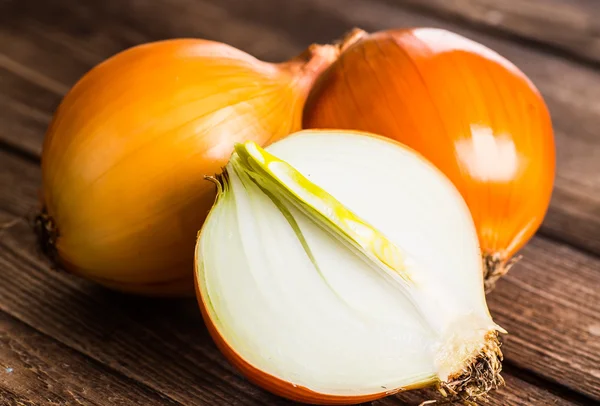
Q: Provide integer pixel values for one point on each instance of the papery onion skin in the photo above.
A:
(125, 155)
(471, 112)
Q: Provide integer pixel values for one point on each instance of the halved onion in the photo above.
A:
(339, 267)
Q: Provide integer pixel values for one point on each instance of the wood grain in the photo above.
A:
(9, 398)
(140, 338)
(550, 305)
(25, 111)
(569, 25)
(38, 369)
(89, 32)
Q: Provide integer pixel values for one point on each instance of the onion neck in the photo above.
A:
(316, 59)
(308, 66)
(351, 38)
(495, 266)
(47, 235)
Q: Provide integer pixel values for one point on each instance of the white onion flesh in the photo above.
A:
(342, 327)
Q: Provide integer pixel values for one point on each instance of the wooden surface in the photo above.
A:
(64, 341)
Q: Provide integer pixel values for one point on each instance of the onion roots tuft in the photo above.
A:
(479, 377)
(47, 235)
(495, 266)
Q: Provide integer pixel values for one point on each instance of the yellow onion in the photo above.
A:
(125, 156)
(467, 109)
(339, 267)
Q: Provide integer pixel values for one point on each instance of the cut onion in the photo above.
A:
(338, 267)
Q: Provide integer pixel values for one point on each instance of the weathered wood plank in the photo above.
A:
(40, 370)
(550, 304)
(164, 345)
(9, 398)
(90, 32)
(25, 111)
(569, 25)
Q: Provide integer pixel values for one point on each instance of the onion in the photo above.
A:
(466, 109)
(340, 267)
(125, 155)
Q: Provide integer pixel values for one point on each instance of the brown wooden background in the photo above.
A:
(66, 342)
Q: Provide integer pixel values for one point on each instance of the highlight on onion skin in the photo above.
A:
(468, 110)
(300, 272)
(124, 157)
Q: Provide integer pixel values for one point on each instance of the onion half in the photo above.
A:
(338, 267)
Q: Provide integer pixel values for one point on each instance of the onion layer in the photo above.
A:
(465, 108)
(125, 155)
(339, 267)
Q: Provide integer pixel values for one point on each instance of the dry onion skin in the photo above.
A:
(467, 109)
(338, 267)
(125, 155)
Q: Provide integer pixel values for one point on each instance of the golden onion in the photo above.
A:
(125, 156)
(468, 110)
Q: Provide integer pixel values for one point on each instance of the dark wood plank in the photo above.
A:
(9, 398)
(516, 393)
(550, 304)
(55, 53)
(164, 345)
(569, 25)
(37, 369)
(25, 111)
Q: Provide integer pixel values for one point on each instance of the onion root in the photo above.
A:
(47, 235)
(495, 266)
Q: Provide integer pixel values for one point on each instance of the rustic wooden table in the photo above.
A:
(67, 342)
